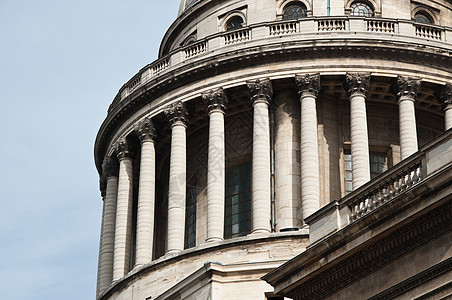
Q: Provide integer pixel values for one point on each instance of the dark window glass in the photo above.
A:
(422, 18)
(361, 9)
(238, 201)
(190, 217)
(294, 11)
(234, 23)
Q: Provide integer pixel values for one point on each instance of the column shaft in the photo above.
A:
(177, 186)
(108, 233)
(216, 177)
(407, 127)
(261, 201)
(448, 117)
(310, 190)
(146, 200)
(123, 231)
(359, 140)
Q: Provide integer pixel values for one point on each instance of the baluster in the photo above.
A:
(385, 194)
(403, 182)
(380, 196)
(415, 176)
(409, 181)
(396, 186)
(391, 190)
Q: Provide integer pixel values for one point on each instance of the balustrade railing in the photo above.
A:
(195, 49)
(160, 65)
(237, 36)
(134, 82)
(429, 32)
(402, 181)
(331, 25)
(381, 26)
(283, 28)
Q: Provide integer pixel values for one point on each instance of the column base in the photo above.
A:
(260, 231)
(214, 239)
(172, 252)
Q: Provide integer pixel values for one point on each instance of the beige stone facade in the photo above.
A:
(227, 156)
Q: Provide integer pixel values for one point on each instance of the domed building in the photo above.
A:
(282, 137)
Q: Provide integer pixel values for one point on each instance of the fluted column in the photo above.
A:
(146, 193)
(357, 86)
(406, 90)
(178, 116)
(261, 93)
(216, 101)
(309, 86)
(123, 230)
(109, 194)
(445, 98)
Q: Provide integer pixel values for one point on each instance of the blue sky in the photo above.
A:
(61, 64)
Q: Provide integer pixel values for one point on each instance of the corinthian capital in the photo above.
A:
(444, 95)
(215, 99)
(308, 85)
(407, 86)
(177, 112)
(122, 148)
(260, 90)
(145, 130)
(357, 83)
(110, 167)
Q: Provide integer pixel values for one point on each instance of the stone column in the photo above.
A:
(357, 86)
(309, 86)
(178, 116)
(444, 96)
(123, 231)
(261, 93)
(406, 90)
(216, 102)
(109, 182)
(146, 193)
(287, 161)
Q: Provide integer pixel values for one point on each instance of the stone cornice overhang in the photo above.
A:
(203, 68)
(192, 252)
(299, 273)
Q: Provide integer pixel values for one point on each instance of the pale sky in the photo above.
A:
(61, 64)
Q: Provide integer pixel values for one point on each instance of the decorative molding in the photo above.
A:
(145, 130)
(407, 87)
(357, 83)
(376, 255)
(260, 90)
(444, 95)
(308, 85)
(177, 112)
(215, 99)
(122, 148)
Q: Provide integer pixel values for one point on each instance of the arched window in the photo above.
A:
(235, 22)
(294, 10)
(421, 17)
(361, 9)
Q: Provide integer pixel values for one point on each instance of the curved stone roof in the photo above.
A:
(184, 4)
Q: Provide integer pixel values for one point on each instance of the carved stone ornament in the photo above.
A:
(308, 84)
(215, 99)
(357, 83)
(444, 95)
(145, 130)
(407, 86)
(122, 148)
(103, 186)
(260, 89)
(177, 112)
(110, 167)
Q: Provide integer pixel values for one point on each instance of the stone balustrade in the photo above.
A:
(304, 29)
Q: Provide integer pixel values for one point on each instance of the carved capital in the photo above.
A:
(308, 85)
(103, 186)
(444, 95)
(122, 148)
(145, 130)
(357, 83)
(177, 112)
(215, 100)
(406, 87)
(260, 90)
(110, 167)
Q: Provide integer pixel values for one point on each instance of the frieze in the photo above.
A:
(177, 112)
(357, 83)
(215, 99)
(145, 130)
(260, 90)
(308, 84)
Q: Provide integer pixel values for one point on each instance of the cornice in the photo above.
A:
(255, 56)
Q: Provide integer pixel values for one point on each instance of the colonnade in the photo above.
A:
(117, 180)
